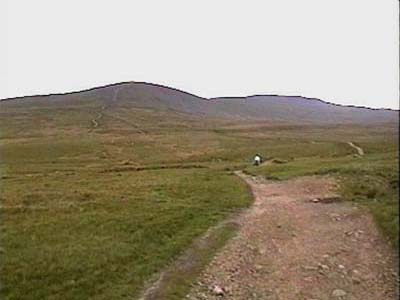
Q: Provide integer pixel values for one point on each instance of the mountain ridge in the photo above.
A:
(193, 95)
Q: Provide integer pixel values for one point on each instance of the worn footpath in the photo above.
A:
(299, 241)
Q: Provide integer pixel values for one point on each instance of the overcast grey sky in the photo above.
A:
(342, 51)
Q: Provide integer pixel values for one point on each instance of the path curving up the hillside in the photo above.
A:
(299, 242)
(359, 150)
(99, 115)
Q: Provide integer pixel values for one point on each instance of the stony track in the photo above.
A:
(299, 241)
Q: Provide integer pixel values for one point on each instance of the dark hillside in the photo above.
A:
(254, 108)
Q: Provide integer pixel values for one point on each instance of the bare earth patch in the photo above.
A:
(293, 245)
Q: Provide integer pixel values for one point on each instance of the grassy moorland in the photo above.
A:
(93, 212)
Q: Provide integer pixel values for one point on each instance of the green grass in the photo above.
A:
(102, 235)
(96, 213)
(178, 278)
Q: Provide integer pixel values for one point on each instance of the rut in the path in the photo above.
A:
(294, 245)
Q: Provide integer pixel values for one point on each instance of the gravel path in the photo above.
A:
(298, 242)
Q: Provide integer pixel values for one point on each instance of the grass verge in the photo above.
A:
(175, 282)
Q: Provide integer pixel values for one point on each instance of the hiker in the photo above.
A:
(257, 160)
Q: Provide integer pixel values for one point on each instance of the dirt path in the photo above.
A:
(296, 242)
(95, 121)
(99, 115)
(360, 151)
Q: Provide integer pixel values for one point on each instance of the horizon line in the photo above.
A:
(188, 93)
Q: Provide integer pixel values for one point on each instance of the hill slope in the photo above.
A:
(102, 189)
(287, 109)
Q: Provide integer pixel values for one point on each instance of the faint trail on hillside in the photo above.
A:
(360, 151)
(95, 121)
(115, 96)
(95, 124)
(130, 123)
(298, 241)
(99, 115)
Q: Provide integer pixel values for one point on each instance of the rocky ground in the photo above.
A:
(298, 241)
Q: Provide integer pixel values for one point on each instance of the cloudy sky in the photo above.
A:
(342, 51)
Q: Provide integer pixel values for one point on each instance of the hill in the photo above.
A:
(102, 189)
(285, 109)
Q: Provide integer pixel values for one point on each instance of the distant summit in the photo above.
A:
(269, 108)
